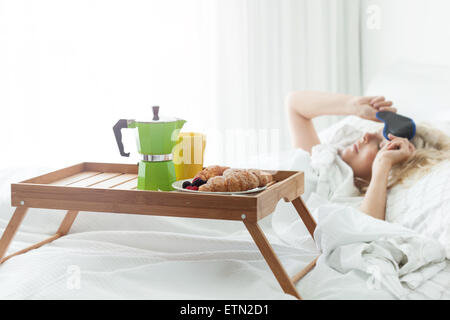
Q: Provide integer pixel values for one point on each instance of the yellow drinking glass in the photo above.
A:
(188, 154)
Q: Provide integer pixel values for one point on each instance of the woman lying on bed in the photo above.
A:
(377, 164)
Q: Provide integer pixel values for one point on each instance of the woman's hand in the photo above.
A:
(367, 107)
(396, 151)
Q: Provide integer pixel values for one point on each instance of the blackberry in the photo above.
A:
(198, 182)
(186, 184)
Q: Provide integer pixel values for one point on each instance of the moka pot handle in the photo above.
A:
(121, 124)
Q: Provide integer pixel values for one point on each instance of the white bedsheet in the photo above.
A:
(137, 257)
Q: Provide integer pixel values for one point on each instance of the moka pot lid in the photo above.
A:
(156, 118)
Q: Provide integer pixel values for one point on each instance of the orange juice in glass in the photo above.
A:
(188, 154)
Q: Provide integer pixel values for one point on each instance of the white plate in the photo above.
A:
(179, 186)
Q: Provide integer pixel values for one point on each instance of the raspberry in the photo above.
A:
(194, 188)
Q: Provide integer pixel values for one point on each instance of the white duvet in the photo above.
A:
(134, 257)
(385, 255)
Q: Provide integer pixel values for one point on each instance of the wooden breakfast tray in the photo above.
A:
(111, 188)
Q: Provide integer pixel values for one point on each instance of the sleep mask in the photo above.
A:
(397, 125)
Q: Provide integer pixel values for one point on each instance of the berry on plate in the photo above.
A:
(186, 184)
(198, 182)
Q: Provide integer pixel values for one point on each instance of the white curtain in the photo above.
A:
(70, 69)
(267, 48)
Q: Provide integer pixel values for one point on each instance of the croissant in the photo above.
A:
(215, 184)
(263, 177)
(210, 172)
(240, 180)
(234, 180)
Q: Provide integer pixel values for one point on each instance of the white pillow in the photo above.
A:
(424, 204)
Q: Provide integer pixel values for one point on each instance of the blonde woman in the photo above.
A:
(377, 164)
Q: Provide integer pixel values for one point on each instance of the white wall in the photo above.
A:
(403, 30)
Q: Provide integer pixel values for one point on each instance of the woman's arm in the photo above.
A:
(396, 151)
(303, 106)
(374, 203)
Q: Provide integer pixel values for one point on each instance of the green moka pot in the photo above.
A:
(155, 138)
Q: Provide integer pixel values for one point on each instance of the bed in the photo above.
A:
(142, 257)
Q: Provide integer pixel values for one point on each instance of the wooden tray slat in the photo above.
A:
(117, 181)
(130, 185)
(75, 178)
(94, 180)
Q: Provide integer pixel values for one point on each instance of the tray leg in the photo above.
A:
(14, 224)
(11, 229)
(310, 224)
(272, 260)
(305, 215)
(304, 271)
(66, 224)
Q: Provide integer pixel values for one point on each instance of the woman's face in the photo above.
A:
(360, 155)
